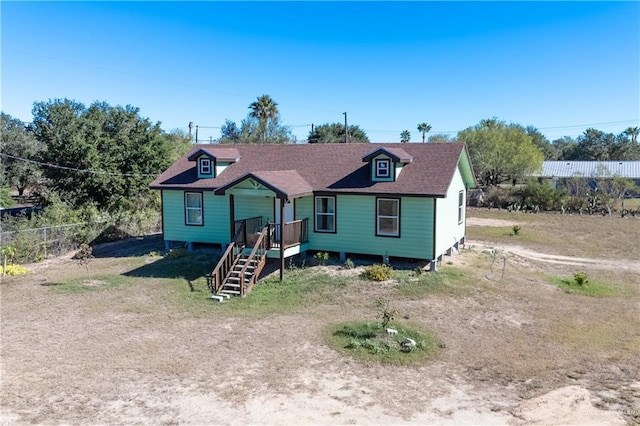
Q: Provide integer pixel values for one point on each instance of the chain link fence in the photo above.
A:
(38, 244)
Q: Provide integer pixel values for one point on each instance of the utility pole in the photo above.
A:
(346, 129)
(196, 133)
(190, 126)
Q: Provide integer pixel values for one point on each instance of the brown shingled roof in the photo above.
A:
(332, 168)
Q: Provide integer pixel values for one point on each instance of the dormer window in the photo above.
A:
(205, 166)
(383, 168)
(385, 164)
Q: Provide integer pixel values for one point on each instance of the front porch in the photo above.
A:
(292, 241)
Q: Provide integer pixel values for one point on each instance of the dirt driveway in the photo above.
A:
(133, 355)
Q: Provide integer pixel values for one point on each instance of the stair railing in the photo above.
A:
(259, 253)
(223, 268)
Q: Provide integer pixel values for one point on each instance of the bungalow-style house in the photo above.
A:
(269, 200)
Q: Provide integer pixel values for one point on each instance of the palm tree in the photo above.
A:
(633, 132)
(424, 128)
(264, 109)
(405, 136)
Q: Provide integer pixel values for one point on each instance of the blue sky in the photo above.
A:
(559, 66)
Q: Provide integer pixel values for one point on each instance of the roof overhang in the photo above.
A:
(286, 184)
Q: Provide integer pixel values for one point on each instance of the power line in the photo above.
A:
(95, 172)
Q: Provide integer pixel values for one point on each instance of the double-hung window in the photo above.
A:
(205, 166)
(193, 208)
(383, 168)
(325, 212)
(388, 217)
(460, 207)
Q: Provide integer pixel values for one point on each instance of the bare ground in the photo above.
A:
(518, 351)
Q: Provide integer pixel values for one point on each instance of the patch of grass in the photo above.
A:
(590, 288)
(300, 288)
(447, 279)
(93, 283)
(368, 342)
(594, 236)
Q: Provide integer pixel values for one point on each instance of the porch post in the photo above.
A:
(281, 239)
(232, 216)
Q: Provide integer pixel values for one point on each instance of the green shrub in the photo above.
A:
(516, 229)
(378, 272)
(176, 253)
(321, 257)
(580, 278)
(348, 264)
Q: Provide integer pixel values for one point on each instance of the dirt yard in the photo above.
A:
(133, 351)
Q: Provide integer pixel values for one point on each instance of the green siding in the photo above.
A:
(248, 206)
(205, 175)
(356, 227)
(449, 230)
(372, 166)
(216, 218)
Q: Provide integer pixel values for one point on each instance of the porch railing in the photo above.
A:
(296, 232)
(246, 227)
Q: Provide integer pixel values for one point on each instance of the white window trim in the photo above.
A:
(383, 168)
(379, 216)
(188, 208)
(460, 207)
(205, 166)
(318, 213)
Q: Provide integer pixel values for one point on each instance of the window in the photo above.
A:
(383, 168)
(193, 208)
(325, 212)
(388, 217)
(205, 166)
(460, 206)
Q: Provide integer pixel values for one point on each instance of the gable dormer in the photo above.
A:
(210, 162)
(385, 164)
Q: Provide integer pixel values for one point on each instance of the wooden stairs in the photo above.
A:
(238, 269)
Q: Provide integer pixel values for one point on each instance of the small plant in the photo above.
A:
(84, 253)
(8, 253)
(385, 313)
(516, 229)
(13, 270)
(418, 271)
(348, 264)
(176, 253)
(580, 278)
(321, 257)
(378, 272)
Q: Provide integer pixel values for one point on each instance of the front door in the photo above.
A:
(288, 214)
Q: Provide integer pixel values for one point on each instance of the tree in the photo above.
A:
(633, 133)
(405, 136)
(334, 133)
(542, 142)
(229, 132)
(100, 155)
(593, 145)
(20, 157)
(264, 109)
(424, 128)
(501, 152)
(439, 138)
(564, 147)
(262, 125)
